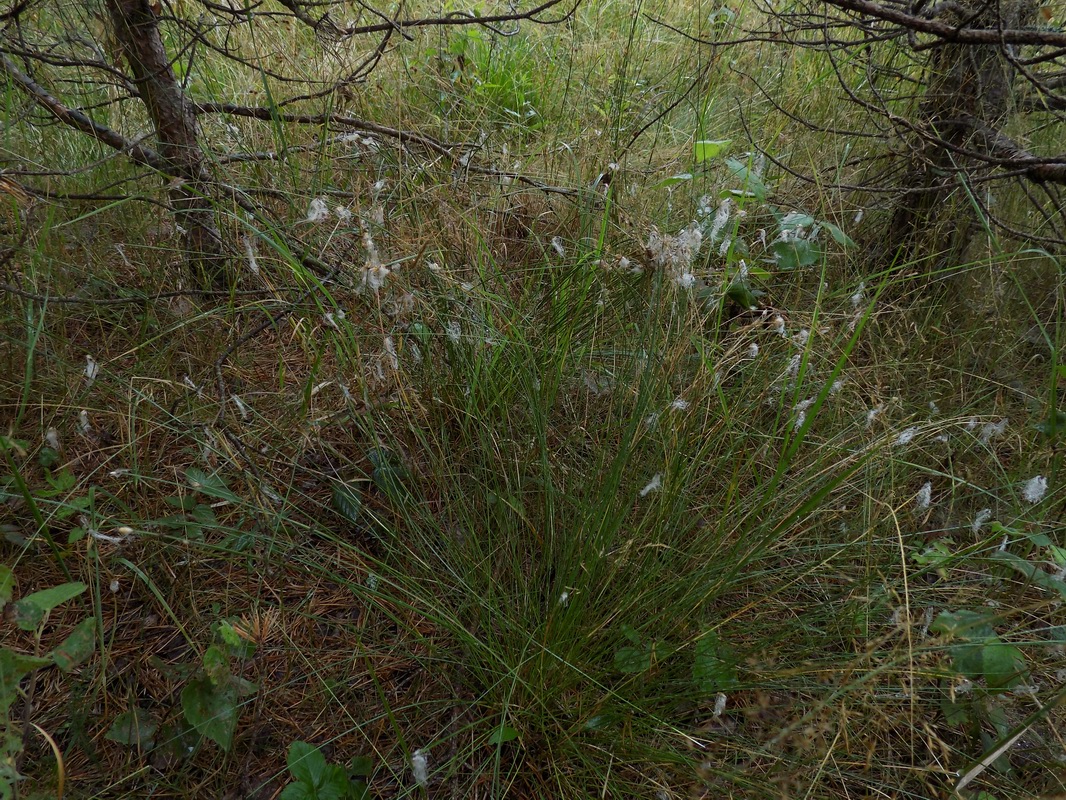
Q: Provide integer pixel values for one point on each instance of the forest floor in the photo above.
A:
(670, 484)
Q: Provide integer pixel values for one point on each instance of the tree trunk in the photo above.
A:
(136, 29)
(969, 92)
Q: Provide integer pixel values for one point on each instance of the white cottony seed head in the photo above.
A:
(317, 210)
(1034, 490)
(420, 767)
(719, 705)
(655, 483)
(92, 369)
(993, 430)
(906, 437)
(925, 496)
(983, 516)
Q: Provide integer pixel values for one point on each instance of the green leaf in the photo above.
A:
(13, 668)
(306, 763)
(955, 712)
(632, 660)
(211, 485)
(673, 180)
(714, 669)
(743, 295)
(31, 610)
(1004, 665)
(503, 734)
(298, 791)
(77, 647)
(48, 457)
(793, 221)
(389, 474)
(710, 148)
(750, 183)
(134, 728)
(838, 235)
(216, 665)
(347, 502)
(963, 624)
(361, 767)
(794, 253)
(1035, 574)
(211, 709)
(631, 634)
(1054, 425)
(7, 584)
(62, 481)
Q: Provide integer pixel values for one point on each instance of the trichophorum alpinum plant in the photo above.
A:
(552, 399)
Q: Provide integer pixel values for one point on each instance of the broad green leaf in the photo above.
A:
(7, 584)
(298, 790)
(963, 624)
(211, 485)
(838, 235)
(710, 148)
(31, 610)
(211, 709)
(714, 668)
(48, 457)
(389, 474)
(631, 633)
(347, 502)
(1054, 425)
(673, 180)
(794, 254)
(13, 668)
(216, 666)
(750, 183)
(1004, 665)
(361, 767)
(632, 660)
(955, 712)
(77, 647)
(62, 481)
(503, 734)
(794, 221)
(134, 728)
(743, 295)
(306, 763)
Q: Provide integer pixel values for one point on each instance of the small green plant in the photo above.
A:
(314, 779)
(979, 655)
(31, 614)
(212, 698)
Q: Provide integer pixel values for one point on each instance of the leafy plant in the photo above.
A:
(212, 698)
(714, 668)
(978, 654)
(638, 656)
(31, 614)
(314, 779)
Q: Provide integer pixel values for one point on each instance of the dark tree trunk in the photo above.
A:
(969, 93)
(137, 30)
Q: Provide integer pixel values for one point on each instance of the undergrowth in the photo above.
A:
(668, 489)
